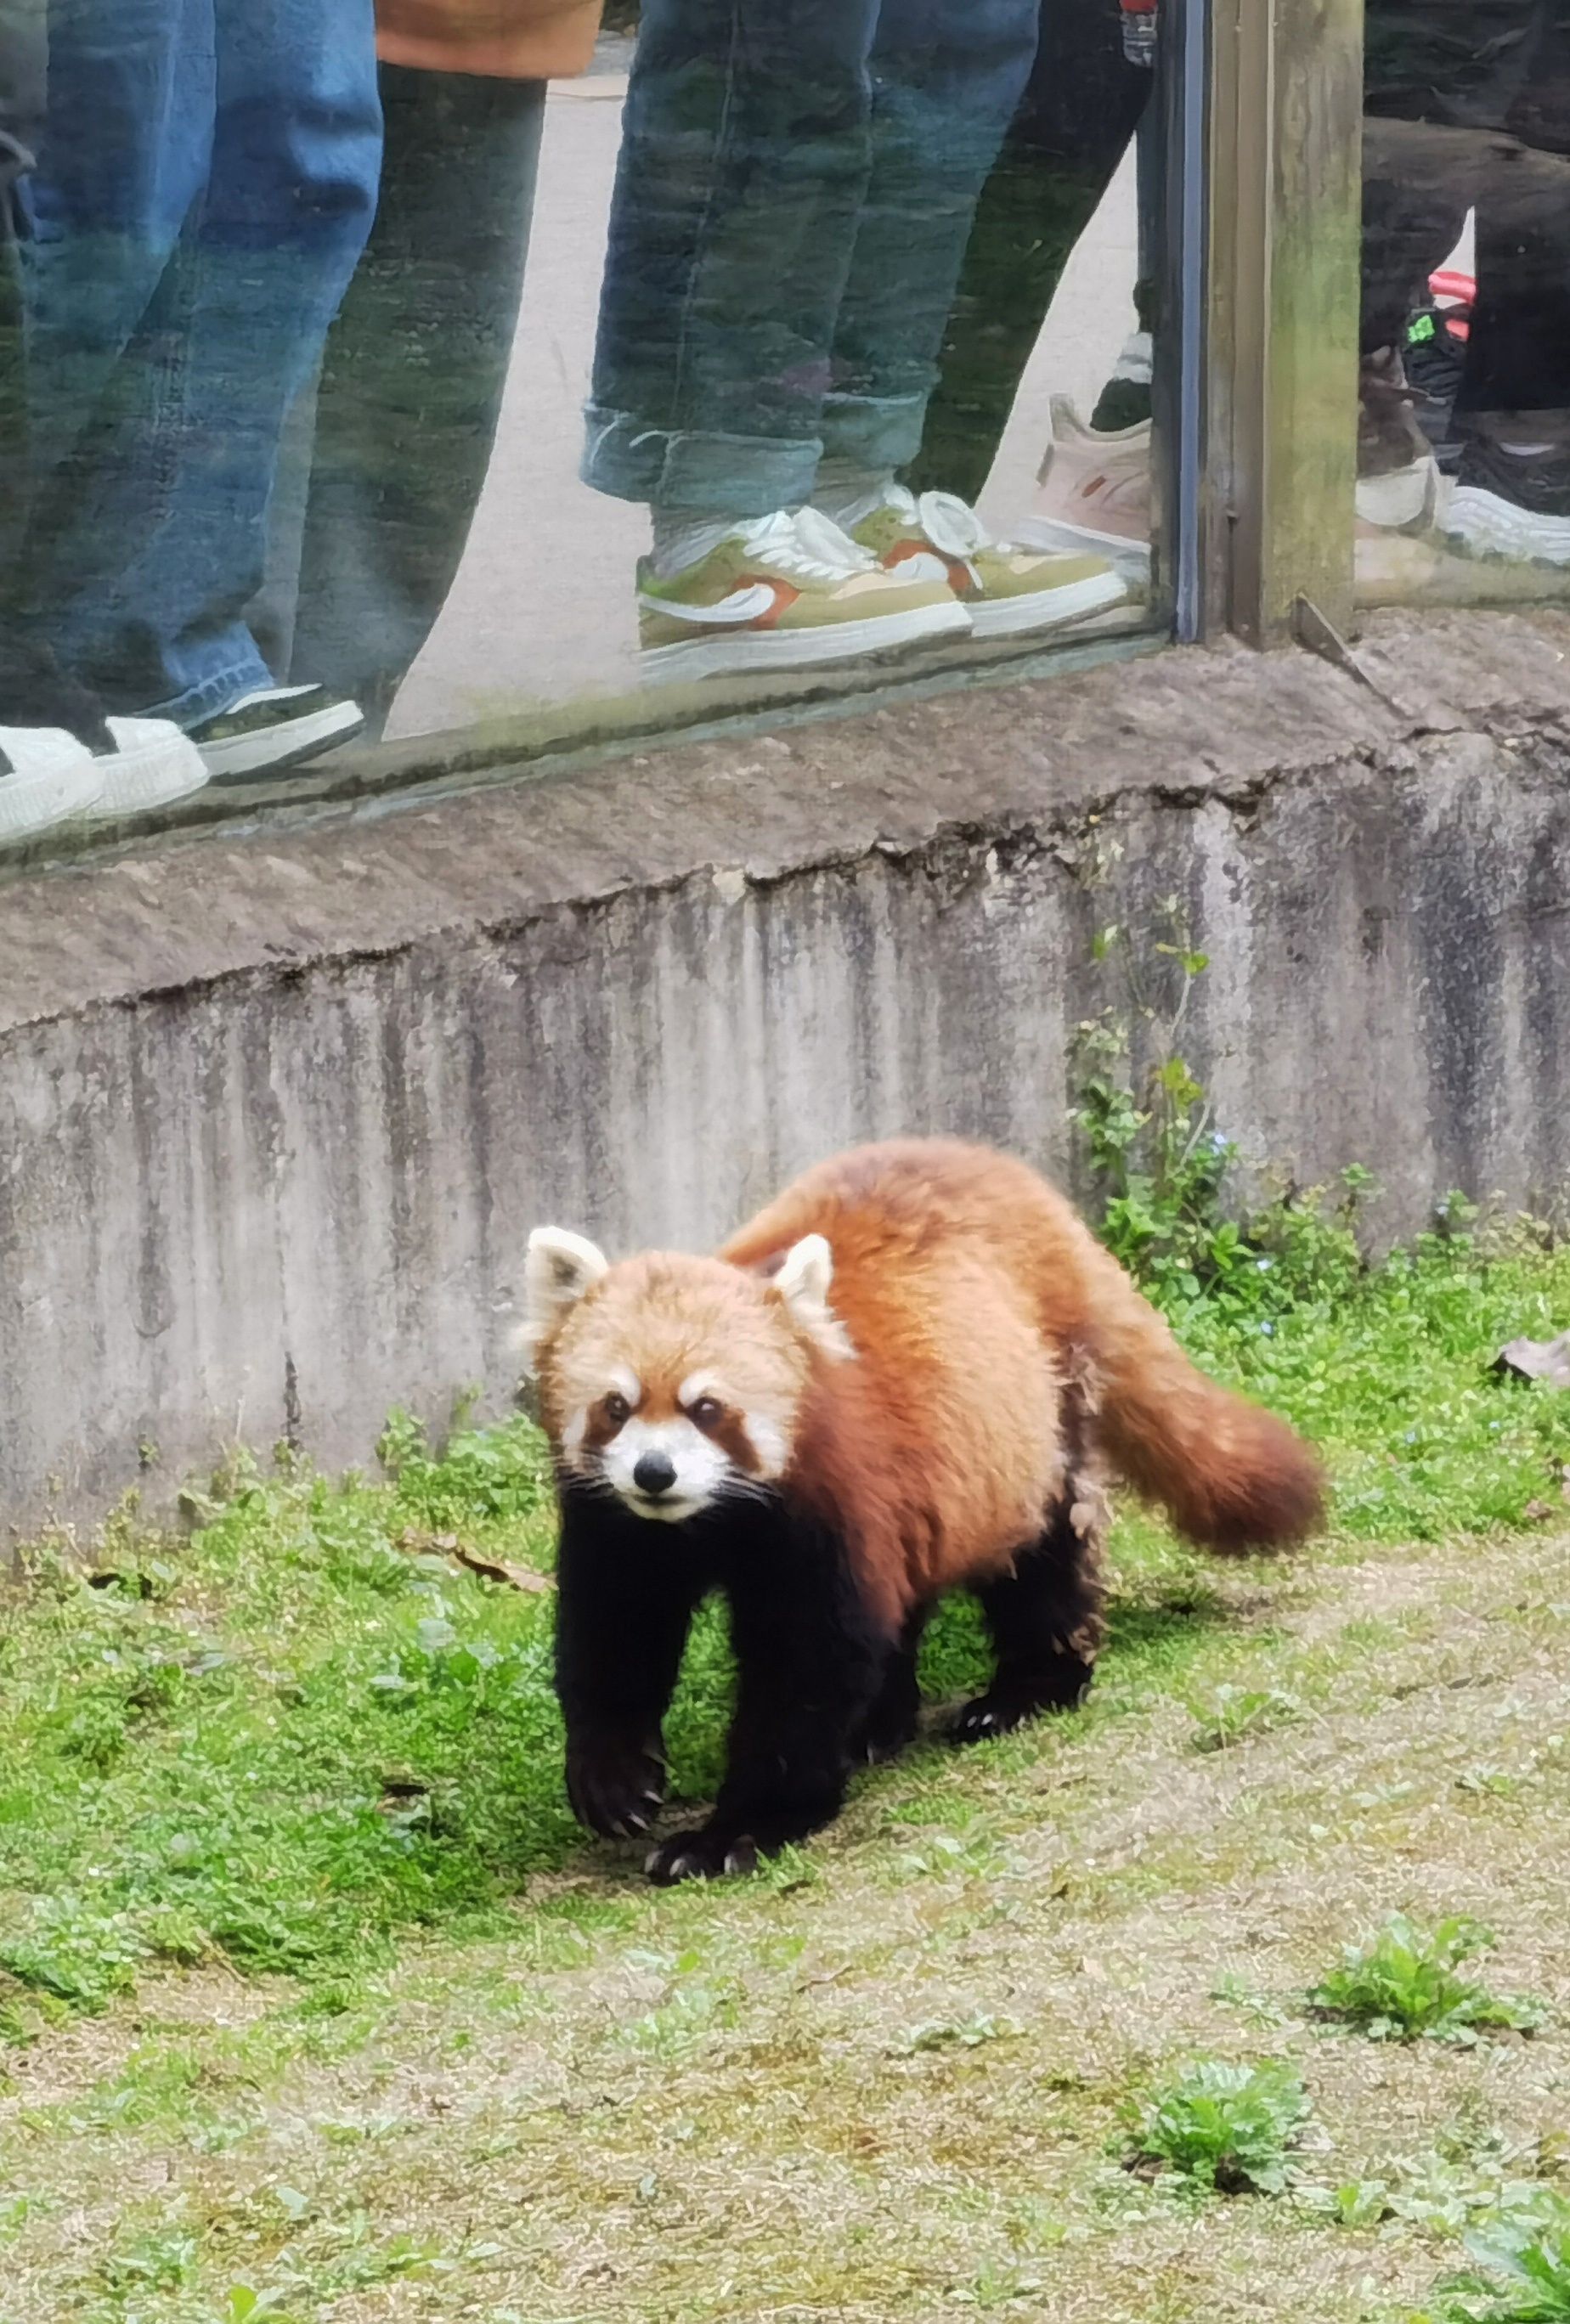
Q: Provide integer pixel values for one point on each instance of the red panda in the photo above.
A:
(903, 1378)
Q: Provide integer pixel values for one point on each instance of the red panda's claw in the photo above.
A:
(617, 1795)
(700, 1855)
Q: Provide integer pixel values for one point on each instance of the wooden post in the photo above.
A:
(1279, 473)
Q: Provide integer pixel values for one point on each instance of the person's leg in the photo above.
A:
(1081, 106)
(167, 544)
(124, 156)
(33, 692)
(23, 49)
(745, 165)
(1519, 349)
(412, 378)
(1513, 409)
(743, 180)
(947, 77)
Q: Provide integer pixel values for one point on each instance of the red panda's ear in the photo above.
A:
(558, 1271)
(805, 1273)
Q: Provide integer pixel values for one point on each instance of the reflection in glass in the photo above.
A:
(1464, 488)
(316, 320)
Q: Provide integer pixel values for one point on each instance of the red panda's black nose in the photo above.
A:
(654, 1474)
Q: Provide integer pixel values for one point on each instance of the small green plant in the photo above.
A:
(1405, 1983)
(955, 2033)
(1157, 1158)
(1161, 1164)
(1354, 2203)
(1236, 1712)
(1226, 2128)
(1521, 2271)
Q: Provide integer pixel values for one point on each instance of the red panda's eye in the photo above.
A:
(616, 1408)
(706, 1412)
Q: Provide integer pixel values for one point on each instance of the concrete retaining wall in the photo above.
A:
(277, 1111)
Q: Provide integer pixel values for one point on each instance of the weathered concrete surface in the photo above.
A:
(277, 1113)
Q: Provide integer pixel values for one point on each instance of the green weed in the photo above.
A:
(1407, 1983)
(1236, 1712)
(1521, 2272)
(1279, 1301)
(1227, 2129)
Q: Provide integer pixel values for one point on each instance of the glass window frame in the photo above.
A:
(1284, 185)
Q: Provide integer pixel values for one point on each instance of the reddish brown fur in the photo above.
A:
(969, 1288)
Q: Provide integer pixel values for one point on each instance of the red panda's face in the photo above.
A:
(675, 1383)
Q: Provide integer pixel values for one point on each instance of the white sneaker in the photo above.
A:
(1096, 495)
(152, 764)
(276, 728)
(46, 777)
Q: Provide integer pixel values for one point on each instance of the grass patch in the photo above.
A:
(308, 1729)
(1407, 1984)
(315, 2004)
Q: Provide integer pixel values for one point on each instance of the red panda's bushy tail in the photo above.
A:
(1232, 1477)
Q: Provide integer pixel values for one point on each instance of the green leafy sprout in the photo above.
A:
(1407, 1983)
(1227, 2129)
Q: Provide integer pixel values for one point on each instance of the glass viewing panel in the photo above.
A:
(371, 372)
(1463, 491)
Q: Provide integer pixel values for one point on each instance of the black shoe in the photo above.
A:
(268, 730)
(1512, 504)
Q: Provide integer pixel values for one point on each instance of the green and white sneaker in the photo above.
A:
(782, 591)
(277, 727)
(1004, 589)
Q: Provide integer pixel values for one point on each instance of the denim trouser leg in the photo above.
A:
(1072, 129)
(947, 77)
(206, 183)
(23, 45)
(794, 199)
(412, 379)
(745, 162)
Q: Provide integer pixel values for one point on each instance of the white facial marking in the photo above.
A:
(701, 1468)
(803, 1282)
(696, 1384)
(768, 1443)
(576, 1429)
(624, 1381)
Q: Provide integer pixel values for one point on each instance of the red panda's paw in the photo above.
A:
(1011, 1703)
(616, 1789)
(702, 1855)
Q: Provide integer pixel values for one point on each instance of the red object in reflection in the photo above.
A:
(1456, 293)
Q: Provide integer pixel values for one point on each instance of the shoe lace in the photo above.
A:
(806, 543)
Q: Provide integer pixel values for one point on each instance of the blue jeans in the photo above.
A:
(206, 182)
(796, 189)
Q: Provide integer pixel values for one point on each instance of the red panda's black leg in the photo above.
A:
(625, 1594)
(896, 1714)
(808, 1660)
(1045, 1621)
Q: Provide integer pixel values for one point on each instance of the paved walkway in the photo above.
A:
(543, 606)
